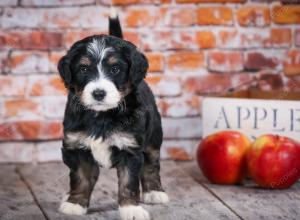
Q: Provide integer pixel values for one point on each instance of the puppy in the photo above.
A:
(111, 121)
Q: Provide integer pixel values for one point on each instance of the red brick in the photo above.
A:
(258, 60)
(162, 17)
(29, 62)
(253, 16)
(71, 36)
(51, 17)
(178, 154)
(182, 127)
(167, 40)
(139, 18)
(263, 38)
(30, 130)
(297, 37)
(133, 37)
(216, 83)
(286, 14)
(3, 61)
(214, 16)
(129, 2)
(225, 61)
(205, 39)
(292, 84)
(268, 81)
(45, 85)
(292, 63)
(179, 106)
(281, 37)
(21, 108)
(246, 39)
(164, 85)
(125, 2)
(156, 62)
(210, 1)
(30, 40)
(181, 17)
(186, 61)
(12, 85)
(56, 2)
(54, 57)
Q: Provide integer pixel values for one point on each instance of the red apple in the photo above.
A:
(274, 161)
(222, 157)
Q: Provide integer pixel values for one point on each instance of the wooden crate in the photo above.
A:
(253, 113)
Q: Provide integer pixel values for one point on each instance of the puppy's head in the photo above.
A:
(102, 70)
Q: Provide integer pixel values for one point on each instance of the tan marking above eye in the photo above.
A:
(85, 61)
(112, 60)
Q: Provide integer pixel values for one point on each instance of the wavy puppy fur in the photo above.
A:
(111, 120)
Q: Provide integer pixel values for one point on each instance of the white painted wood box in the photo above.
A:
(257, 114)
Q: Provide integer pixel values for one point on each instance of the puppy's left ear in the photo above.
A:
(138, 68)
(64, 70)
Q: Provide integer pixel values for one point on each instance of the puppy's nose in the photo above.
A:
(99, 94)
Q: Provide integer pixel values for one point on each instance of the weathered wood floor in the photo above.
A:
(34, 192)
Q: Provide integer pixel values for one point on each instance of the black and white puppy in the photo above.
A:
(111, 121)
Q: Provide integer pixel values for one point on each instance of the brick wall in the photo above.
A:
(195, 48)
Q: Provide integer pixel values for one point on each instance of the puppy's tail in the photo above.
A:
(114, 23)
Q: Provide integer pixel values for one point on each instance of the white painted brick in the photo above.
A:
(54, 107)
(189, 146)
(166, 86)
(29, 62)
(23, 113)
(74, 17)
(16, 152)
(8, 2)
(55, 2)
(49, 151)
(182, 127)
(180, 106)
(12, 85)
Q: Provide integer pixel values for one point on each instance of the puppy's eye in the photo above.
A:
(115, 70)
(83, 69)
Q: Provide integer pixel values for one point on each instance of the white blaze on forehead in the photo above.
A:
(98, 49)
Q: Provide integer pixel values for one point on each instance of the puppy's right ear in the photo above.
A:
(64, 71)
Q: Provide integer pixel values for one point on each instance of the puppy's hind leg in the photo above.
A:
(84, 172)
(152, 190)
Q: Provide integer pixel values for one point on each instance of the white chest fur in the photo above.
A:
(101, 148)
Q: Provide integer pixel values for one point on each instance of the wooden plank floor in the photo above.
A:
(34, 192)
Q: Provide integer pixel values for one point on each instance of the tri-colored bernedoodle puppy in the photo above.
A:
(111, 121)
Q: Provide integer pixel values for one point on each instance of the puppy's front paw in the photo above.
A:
(72, 208)
(133, 212)
(155, 197)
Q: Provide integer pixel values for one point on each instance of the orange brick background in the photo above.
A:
(195, 48)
